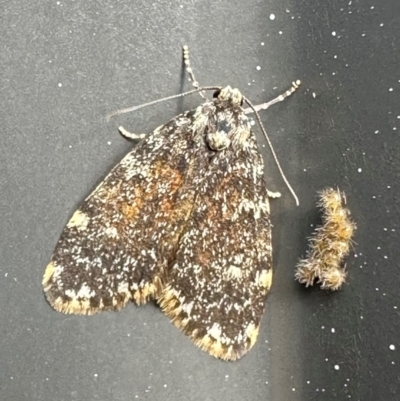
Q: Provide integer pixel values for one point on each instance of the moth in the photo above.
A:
(183, 219)
(329, 244)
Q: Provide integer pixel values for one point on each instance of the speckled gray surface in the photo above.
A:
(65, 65)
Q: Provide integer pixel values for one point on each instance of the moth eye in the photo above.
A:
(216, 93)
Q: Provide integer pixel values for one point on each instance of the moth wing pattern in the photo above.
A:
(222, 273)
(117, 245)
(182, 219)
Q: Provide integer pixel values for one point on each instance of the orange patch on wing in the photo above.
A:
(205, 258)
(129, 204)
(130, 212)
(175, 180)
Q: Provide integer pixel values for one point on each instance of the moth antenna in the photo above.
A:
(272, 150)
(189, 70)
(278, 99)
(141, 106)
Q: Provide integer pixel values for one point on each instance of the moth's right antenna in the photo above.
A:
(272, 150)
(195, 84)
(189, 70)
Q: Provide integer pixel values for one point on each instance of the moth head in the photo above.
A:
(218, 140)
(232, 96)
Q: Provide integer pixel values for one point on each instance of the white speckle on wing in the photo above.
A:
(215, 331)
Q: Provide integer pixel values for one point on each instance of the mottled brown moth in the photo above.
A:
(183, 219)
(329, 244)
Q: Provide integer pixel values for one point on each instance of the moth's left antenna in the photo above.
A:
(141, 106)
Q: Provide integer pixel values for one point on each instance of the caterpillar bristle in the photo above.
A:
(331, 200)
(329, 244)
(333, 278)
(307, 272)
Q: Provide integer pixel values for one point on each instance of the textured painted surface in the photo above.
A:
(66, 65)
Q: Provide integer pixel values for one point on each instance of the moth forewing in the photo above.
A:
(182, 219)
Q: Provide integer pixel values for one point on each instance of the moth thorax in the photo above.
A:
(218, 140)
(231, 95)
